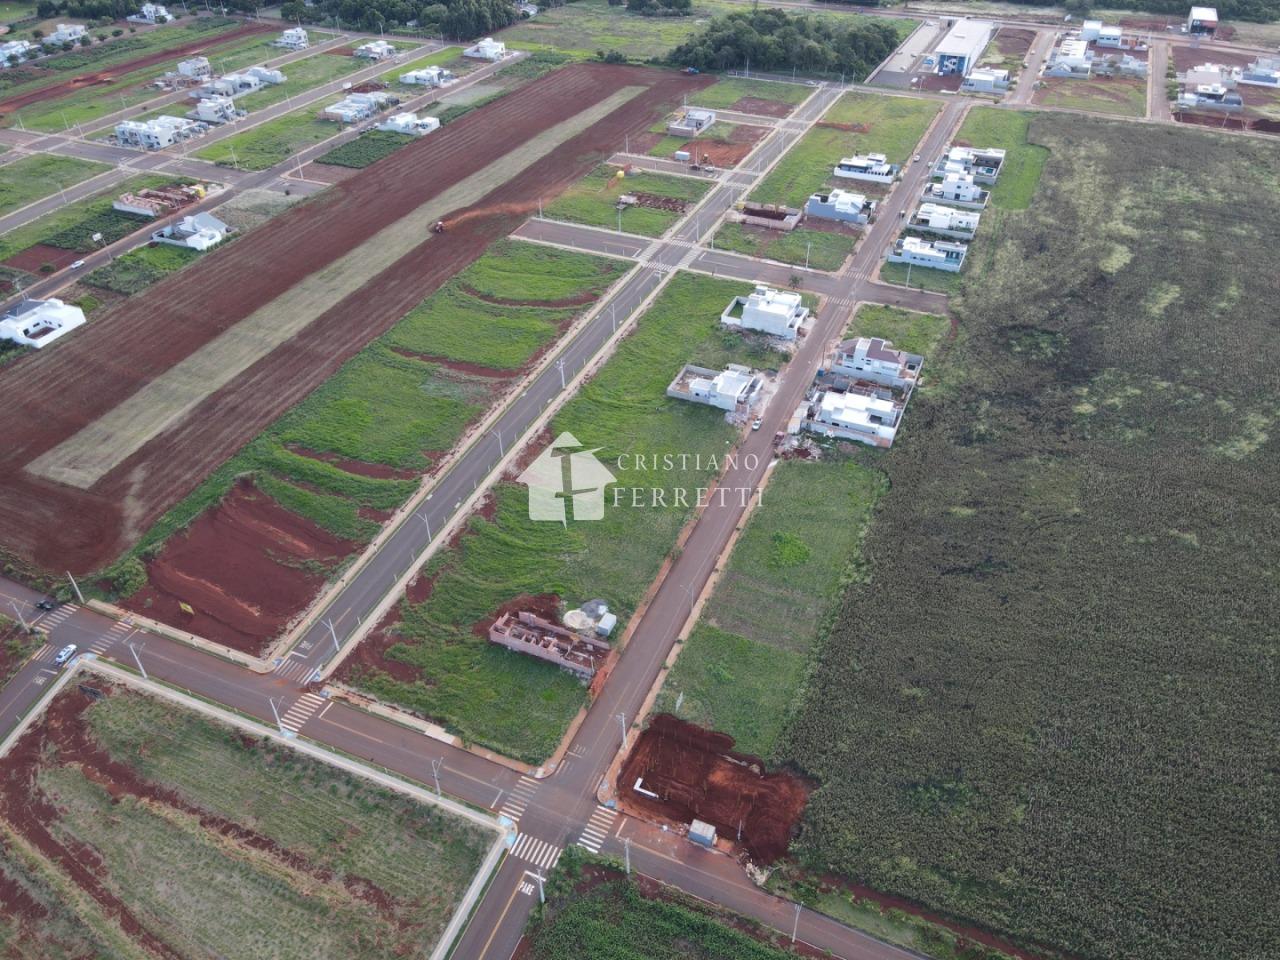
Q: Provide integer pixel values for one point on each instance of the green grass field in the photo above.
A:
(894, 127)
(193, 840)
(914, 332)
(271, 142)
(516, 704)
(581, 28)
(592, 200)
(33, 178)
(450, 57)
(301, 76)
(366, 149)
(1122, 96)
(924, 278)
(727, 91)
(138, 269)
(822, 250)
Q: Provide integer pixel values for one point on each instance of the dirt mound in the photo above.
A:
(246, 567)
(696, 775)
(60, 527)
(205, 44)
(847, 127)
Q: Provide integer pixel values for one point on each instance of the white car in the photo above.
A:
(916, 158)
(755, 424)
(77, 264)
(65, 654)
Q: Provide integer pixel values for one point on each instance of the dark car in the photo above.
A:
(48, 603)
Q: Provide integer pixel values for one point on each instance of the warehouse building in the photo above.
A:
(960, 50)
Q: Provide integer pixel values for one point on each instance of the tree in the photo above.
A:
(86, 40)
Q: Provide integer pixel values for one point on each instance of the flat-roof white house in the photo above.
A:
(1073, 58)
(1090, 29)
(934, 254)
(945, 221)
(158, 133)
(487, 49)
(197, 68)
(986, 80)
(981, 163)
(266, 74)
(690, 122)
(876, 359)
(960, 49)
(199, 231)
(151, 13)
(958, 189)
(65, 33)
(1263, 72)
(855, 415)
(730, 389)
(1110, 37)
(841, 205)
(236, 84)
(1203, 20)
(216, 110)
(409, 123)
(428, 77)
(37, 323)
(1213, 96)
(873, 167)
(1212, 74)
(356, 106)
(295, 38)
(374, 50)
(14, 52)
(777, 313)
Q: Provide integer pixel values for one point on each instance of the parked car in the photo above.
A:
(65, 654)
(755, 424)
(77, 264)
(916, 158)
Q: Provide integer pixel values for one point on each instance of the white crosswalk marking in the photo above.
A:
(596, 832)
(538, 852)
(303, 709)
(48, 621)
(519, 799)
(294, 668)
(44, 654)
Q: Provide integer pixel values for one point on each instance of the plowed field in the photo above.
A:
(53, 395)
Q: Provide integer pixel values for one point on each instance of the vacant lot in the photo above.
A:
(580, 29)
(593, 200)
(366, 149)
(434, 662)
(819, 249)
(138, 269)
(1055, 690)
(1123, 96)
(274, 140)
(197, 841)
(856, 123)
(33, 178)
(765, 97)
(596, 911)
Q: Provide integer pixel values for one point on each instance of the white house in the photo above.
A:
(216, 110)
(375, 50)
(151, 13)
(1089, 30)
(1073, 58)
(65, 33)
(690, 122)
(37, 323)
(295, 38)
(958, 189)
(730, 389)
(356, 106)
(981, 163)
(1213, 96)
(874, 167)
(1212, 74)
(14, 52)
(866, 417)
(156, 134)
(409, 123)
(934, 254)
(1110, 37)
(986, 80)
(841, 205)
(945, 221)
(960, 49)
(428, 77)
(487, 49)
(197, 68)
(1263, 72)
(199, 231)
(266, 75)
(875, 359)
(1203, 21)
(774, 312)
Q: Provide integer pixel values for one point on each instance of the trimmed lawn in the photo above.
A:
(513, 703)
(33, 178)
(592, 200)
(894, 127)
(822, 249)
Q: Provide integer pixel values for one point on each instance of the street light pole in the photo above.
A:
(138, 660)
(276, 713)
(333, 635)
(435, 771)
(18, 610)
(796, 928)
(626, 846)
(75, 586)
(622, 724)
(542, 894)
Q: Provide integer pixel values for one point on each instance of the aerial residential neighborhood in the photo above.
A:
(664, 479)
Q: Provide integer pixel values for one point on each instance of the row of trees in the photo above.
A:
(658, 8)
(772, 39)
(460, 19)
(1260, 11)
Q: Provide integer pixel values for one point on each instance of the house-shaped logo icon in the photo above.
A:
(564, 472)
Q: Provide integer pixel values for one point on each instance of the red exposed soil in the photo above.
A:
(849, 127)
(328, 172)
(697, 775)
(934, 82)
(1013, 42)
(347, 51)
(53, 394)
(239, 566)
(204, 45)
(1216, 120)
(762, 108)
(729, 153)
(472, 369)
(545, 605)
(63, 733)
(1185, 57)
(380, 471)
(33, 258)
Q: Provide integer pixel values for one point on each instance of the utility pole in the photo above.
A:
(435, 771)
(276, 713)
(808, 245)
(426, 522)
(21, 619)
(542, 894)
(560, 367)
(626, 846)
(75, 586)
(333, 635)
(796, 929)
(622, 724)
(501, 450)
(138, 660)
